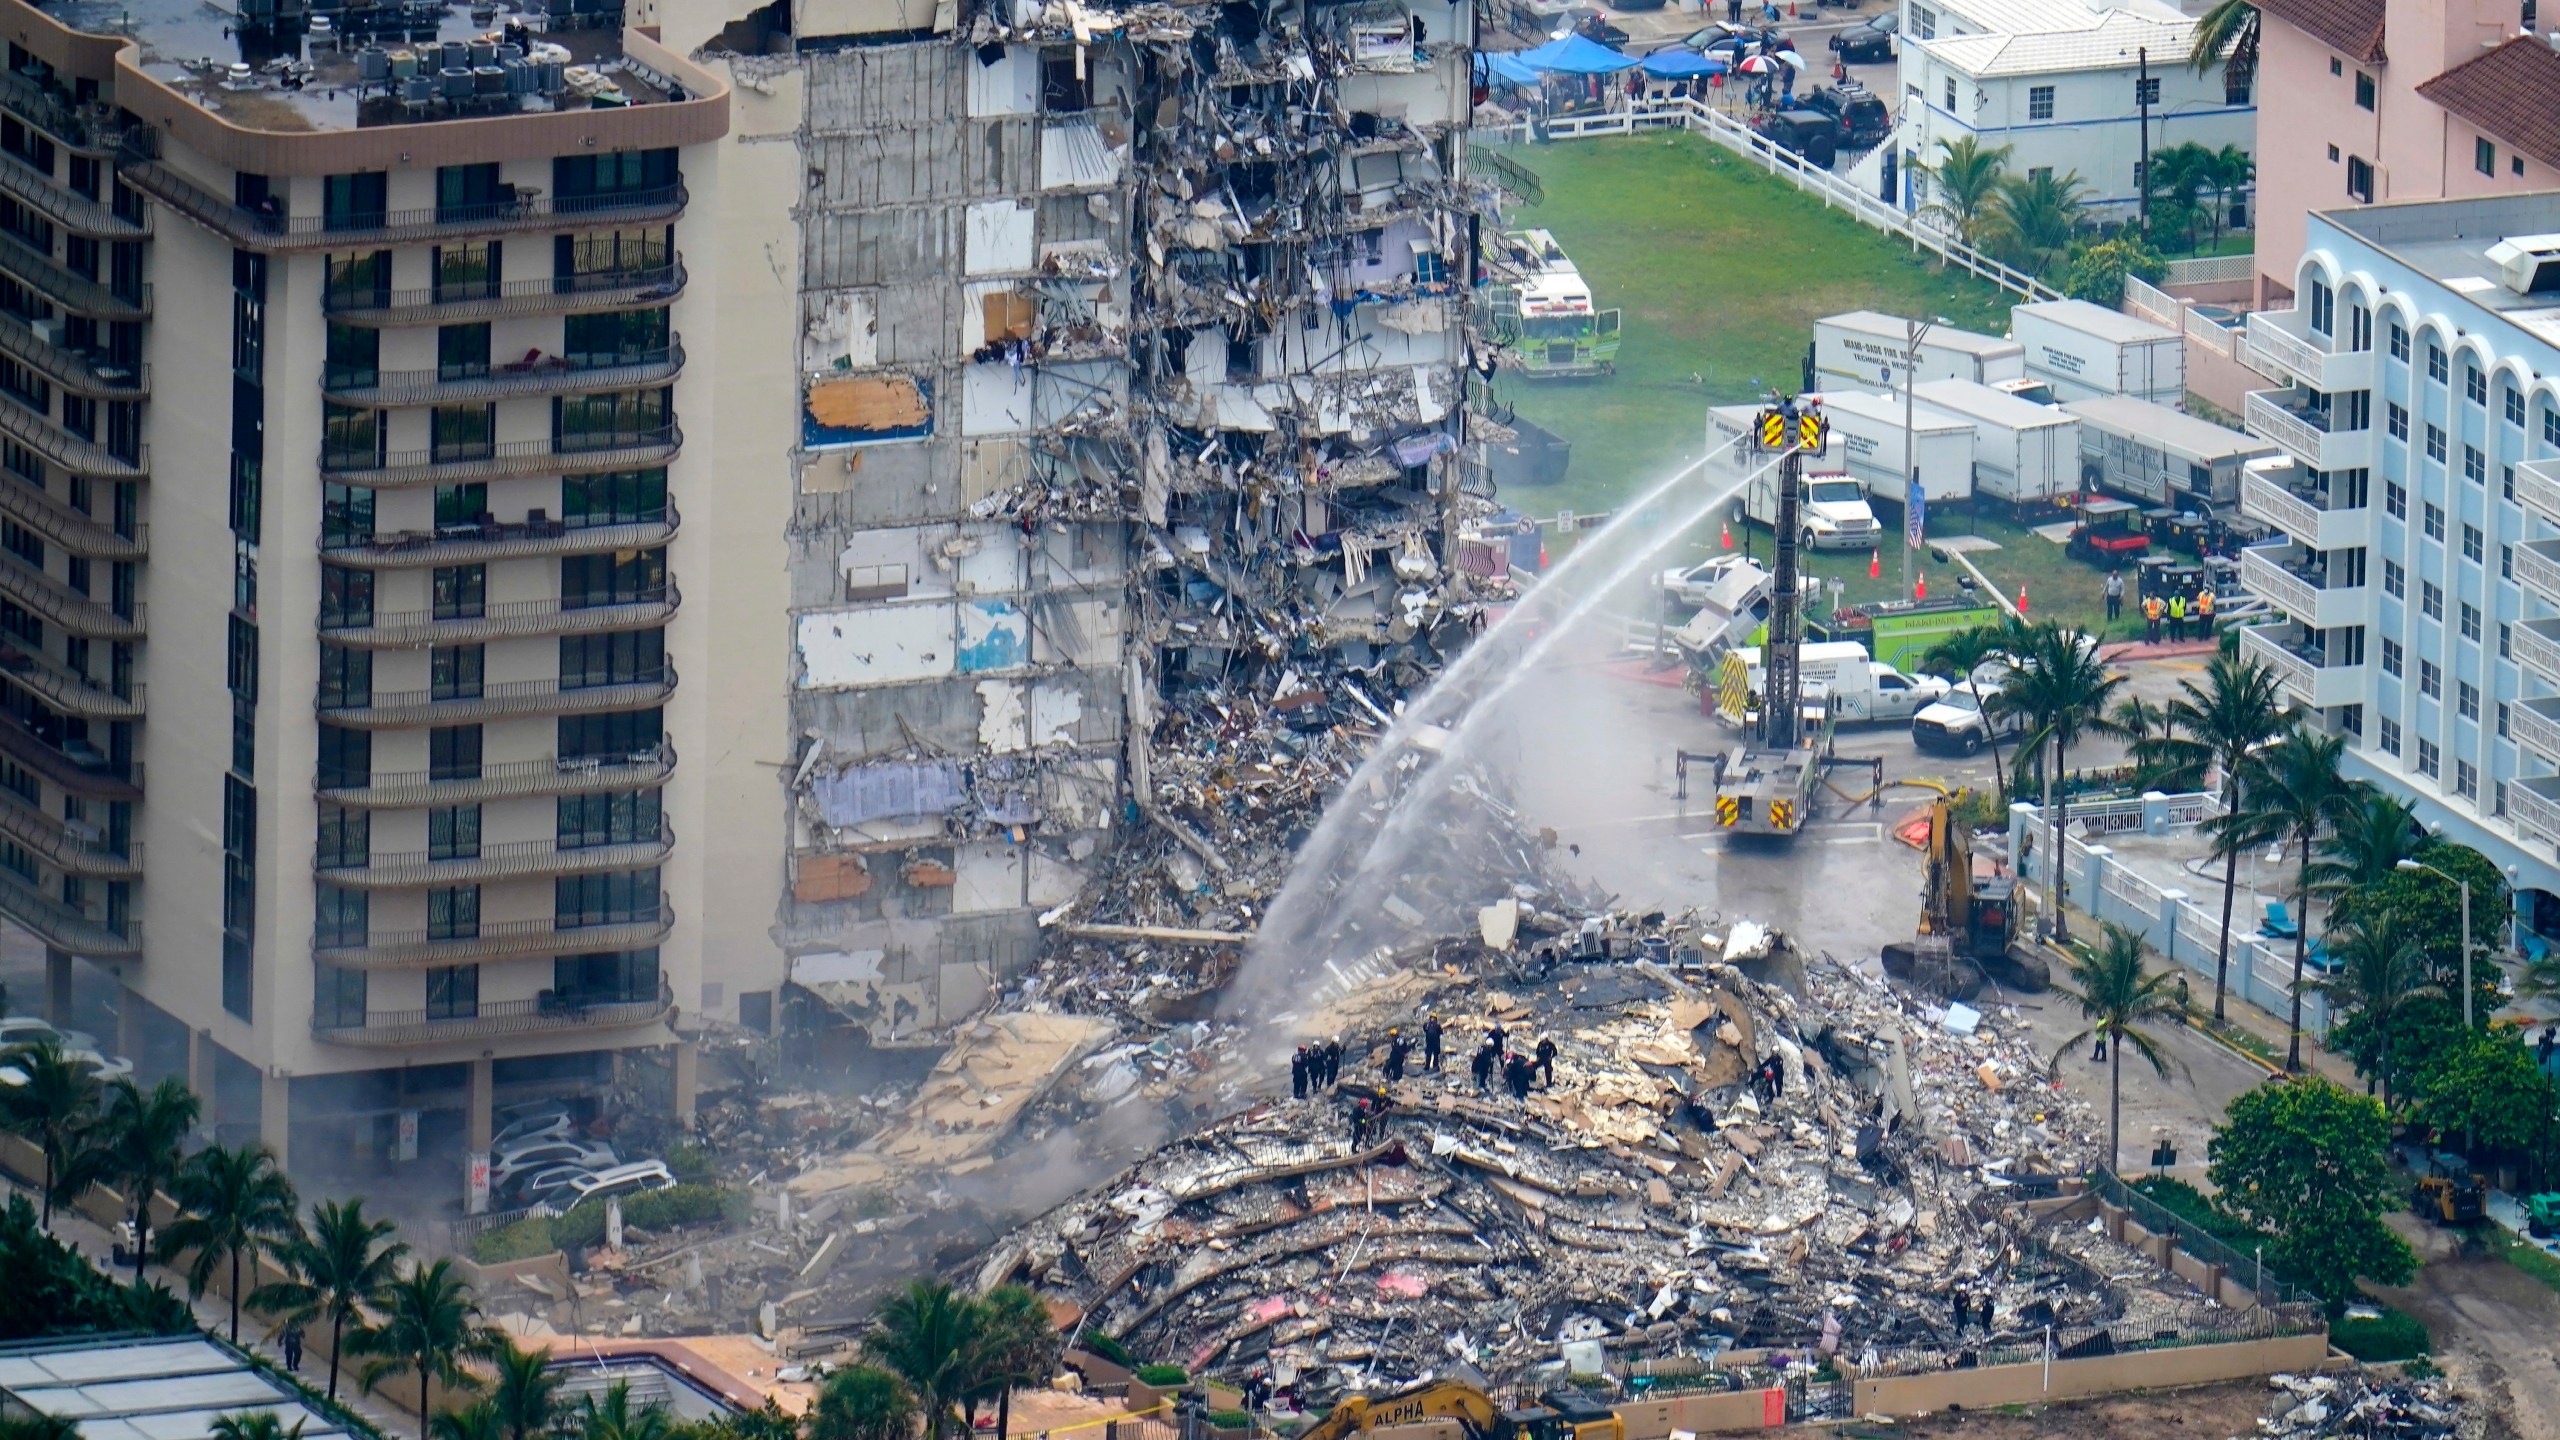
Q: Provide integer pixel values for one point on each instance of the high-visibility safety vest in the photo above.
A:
(2204, 603)
(2151, 608)
(2178, 608)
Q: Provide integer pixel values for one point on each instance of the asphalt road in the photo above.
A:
(2494, 1328)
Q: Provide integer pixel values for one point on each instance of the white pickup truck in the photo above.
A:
(1861, 689)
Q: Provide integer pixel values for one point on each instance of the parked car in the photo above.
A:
(1956, 722)
(28, 1029)
(506, 1165)
(1870, 43)
(525, 1129)
(620, 1180)
(1594, 26)
(1861, 116)
(1810, 133)
(1735, 41)
(538, 1187)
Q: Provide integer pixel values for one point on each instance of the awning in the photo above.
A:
(1575, 55)
(1507, 69)
(1677, 63)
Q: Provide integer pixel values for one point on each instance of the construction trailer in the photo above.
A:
(2158, 456)
(2024, 454)
(1866, 431)
(2083, 350)
(1865, 349)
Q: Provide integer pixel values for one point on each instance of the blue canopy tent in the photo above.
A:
(1505, 68)
(1679, 64)
(1575, 55)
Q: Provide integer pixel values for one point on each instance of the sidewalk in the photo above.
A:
(214, 1314)
(2127, 650)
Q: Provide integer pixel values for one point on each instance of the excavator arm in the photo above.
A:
(1431, 1400)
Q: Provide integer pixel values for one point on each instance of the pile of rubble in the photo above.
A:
(1739, 1151)
(2368, 1405)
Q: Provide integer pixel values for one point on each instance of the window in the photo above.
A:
(2395, 499)
(2473, 543)
(357, 281)
(453, 991)
(2395, 418)
(2484, 155)
(339, 915)
(453, 752)
(2550, 428)
(2399, 341)
(346, 516)
(465, 272)
(337, 999)
(456, 672)
(2364, 87)
(2359, 176)
(2146, 90)
(2437, 368)
(2428, 758)
(346, 597)
(616, 337)
(2235, 85)
(2506, 562)
(2503, 632)
(2039, 102)
(621, 735)
(462, 351)
(345, 837)
(1924, 22)
(461, 592)
(1951, 93)
(2470, 621)
(2466, 779)
(2475, 383)
(2431, 599)
(453, 832)
(603, 422)
(2387, 735)
(603, 182)
(346, 677)
(2475, 465)
(627, 817)
(2359, 329)
(346, 758)
(2466, 699)
(612, 899)
(463, 432)
(624, 578)
(632, 657)
(626, 497)
(453, 913)
(240, 668)
(2395, 581)
(461, 505)
(2435, 442)
(355, 202)
(2390, 657)
(2514, 404)
(619, 977)
(2430, 679)
(2434, 522)
(610, 257)
(2323, 307)
(354, 356)
(468, 192)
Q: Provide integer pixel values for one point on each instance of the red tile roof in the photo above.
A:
(2351, 26)
(2511, 93)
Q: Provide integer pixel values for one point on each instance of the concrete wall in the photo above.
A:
(2079, 1379)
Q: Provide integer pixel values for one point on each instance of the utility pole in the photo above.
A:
(1914, 331)
(1783, 689)
(2142, 103)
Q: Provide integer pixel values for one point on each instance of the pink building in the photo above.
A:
(2363, 101)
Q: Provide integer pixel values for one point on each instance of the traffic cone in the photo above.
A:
(1875, 564)
(1920, 588)
(1542, 553)
(2022, 598)
(1728, 535)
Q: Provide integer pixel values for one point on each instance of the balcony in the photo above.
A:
(516, 459)
(82, 372)
(507, 940)
(69, 451)
(79, 849)
(2535, 725)
(2284, 417)
(2535, 644)
(2534, 805)
(2537, 569)
(64, 928)
(2303, 667)
(272, 229)
(417, 789)
(2282, 347)
(2538, 488)
(560, 295)
(50, 108)
(2279, 491)
(64, 606)
(506, 1017)
(76, 293)
(58, 523)
(76, 766)
(2296, 581)
(405, 709)
(507, 620)
(66, 690)
(498, 540)
(65, 207)
(511, 860)
(533, 375)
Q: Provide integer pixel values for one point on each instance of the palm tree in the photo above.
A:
(2366, 843)
(527, 1397)
(1019, 1347)
(931, 1335)
(475, 1421)
(2035, 216)
(2240, 707)
(253, 1425)
(2382, 967)
(54, 1110)
(338, 1265)
(2232, 170)
(863, 1402)
(2159, 761)
(38, 1427)
(2063, 686)
(1965, 180)
(2291, 793)
(139, 1135)
(1957, 656)
(2116, 995)
(613, 1418)
(2226, 35)
(232, 1203)
(429, 1326)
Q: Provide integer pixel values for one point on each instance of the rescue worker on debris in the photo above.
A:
(1516, 1071)
(1485, 1056)
(1298, 1074)
(1397, 1049)
(2151, 612)
(1431, 1044)
(1333, 1062)
(1498, 1038)
(1546, 1062)
(1359, 1123)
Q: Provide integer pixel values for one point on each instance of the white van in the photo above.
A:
(1861, 688)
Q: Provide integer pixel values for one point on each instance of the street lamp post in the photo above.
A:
(2465, 887)
(1914, 331)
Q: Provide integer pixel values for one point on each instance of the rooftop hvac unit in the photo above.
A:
(417, 90)
(2528, 263)
(490, 80)
(457, 82)
(373, 64)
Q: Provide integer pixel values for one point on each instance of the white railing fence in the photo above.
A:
(2211, 270)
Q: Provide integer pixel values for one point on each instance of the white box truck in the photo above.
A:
(1834, 513)
(2158, 457)
(1860, 687)
(1870, 350)
(2084, 350)
(1866, 442)
(2023, 453)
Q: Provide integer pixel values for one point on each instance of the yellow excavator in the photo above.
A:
(1968, 920)
(1564, 1415)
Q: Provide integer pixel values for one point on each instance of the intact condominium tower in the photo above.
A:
(350, 370)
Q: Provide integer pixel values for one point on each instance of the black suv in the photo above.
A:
(1861, 116)
(1810, 133)
(1864, 44)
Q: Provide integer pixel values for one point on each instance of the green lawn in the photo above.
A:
(1721, 270)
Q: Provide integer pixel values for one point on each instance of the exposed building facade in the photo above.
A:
(2419, 570)
(2368, 101)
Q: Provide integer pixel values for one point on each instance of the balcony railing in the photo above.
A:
(272, 229)
(506, 1017)
(498, 540)
(515, 459)
(84, 770)
(504, 940)
(52, 110)
(72, 694)
(499, 862)
(558, 295)
(69, 451)
(66, 207)
(2280, 418)
(82, 372)
(511, 619)
(56, 521)
(2536, 646)
(73, 292)
(2302, 665)
(64, 928)
(2281, 344)
(64, 606)
(2283, 494)
(2538, 488)
(2537, 569)
(402, 709)
(2534, 805)
(82, 850)
(545, 375)
(2297, 582)
(413, 789)
(2535, 724)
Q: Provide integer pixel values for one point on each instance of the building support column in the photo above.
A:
(129, 1031)
(688, 1068)
(57, 986)
(479, 1123)
(275, 1114)
(200, 1080)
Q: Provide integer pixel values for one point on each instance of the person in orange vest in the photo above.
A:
(2204, 612)
(2151, 611)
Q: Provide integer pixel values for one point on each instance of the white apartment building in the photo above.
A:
(2063, 84)
(2419, 570)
